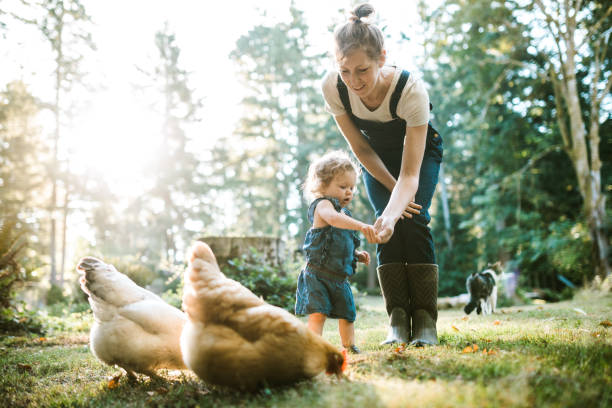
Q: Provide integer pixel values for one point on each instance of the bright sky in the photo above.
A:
(115, 132)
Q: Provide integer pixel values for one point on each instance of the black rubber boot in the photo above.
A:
(423, 289)
(394, 286)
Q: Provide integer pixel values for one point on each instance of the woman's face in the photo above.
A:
(359, 72)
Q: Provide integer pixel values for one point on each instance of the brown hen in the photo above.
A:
(233, 338)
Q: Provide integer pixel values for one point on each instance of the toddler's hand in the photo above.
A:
(363, 257)
(370, 233)
(384, 229)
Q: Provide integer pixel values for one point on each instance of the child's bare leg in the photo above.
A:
(347, 332)
(316, 322)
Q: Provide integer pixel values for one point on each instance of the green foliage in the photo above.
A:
(513, 192)
(285, 125)
(134, 268)
(55, 295)
(14, 317)
(270, 283)
(11, 272)
(19, 320)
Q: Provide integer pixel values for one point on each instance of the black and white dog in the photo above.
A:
(482, 287)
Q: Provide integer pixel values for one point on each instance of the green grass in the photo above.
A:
(552, 355)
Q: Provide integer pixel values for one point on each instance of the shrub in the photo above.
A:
(271, 283)
(55, 295)
(14, 318)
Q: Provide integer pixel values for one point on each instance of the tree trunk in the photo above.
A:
(445, 210)
(588, 174)
(372, 275)
(62, 268)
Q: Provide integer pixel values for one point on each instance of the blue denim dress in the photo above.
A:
(411, 241)
(323, 285)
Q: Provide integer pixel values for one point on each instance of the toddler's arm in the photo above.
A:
(326, 214)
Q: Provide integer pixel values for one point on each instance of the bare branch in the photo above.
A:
(595, 81)
(550, 20)
(596, 26)
(559, 96)
(577, 8)
(598, 63)
(606, 90)
(487, 97)
(530, 163)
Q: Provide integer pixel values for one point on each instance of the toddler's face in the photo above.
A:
(341, 187)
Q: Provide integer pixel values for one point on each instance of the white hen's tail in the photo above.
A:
(103, 283)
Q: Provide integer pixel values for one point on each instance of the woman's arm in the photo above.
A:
(364, 152)
(371, 161)
(407, 184)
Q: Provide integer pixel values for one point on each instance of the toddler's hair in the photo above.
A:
(323, 170)
(357, 34)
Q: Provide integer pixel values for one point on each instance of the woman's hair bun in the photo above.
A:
(360, 11)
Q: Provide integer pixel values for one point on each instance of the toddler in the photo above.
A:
(331, 245)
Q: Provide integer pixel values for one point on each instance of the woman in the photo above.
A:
(383, 113)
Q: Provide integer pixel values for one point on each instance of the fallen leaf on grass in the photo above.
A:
(41, 339)
(606, 323)
(25, 367)
(400, 348)
(578, 310)
(471, 349)
(496, 323)
(465, 318)
(455, 328)
(114, 381)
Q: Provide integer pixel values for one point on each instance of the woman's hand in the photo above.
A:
(363, 257)
(413, 208)
(384, 226)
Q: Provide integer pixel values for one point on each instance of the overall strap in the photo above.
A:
(313, 206)
(395, 97)
(344, 97)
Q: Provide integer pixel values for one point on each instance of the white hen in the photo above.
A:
(134, 328)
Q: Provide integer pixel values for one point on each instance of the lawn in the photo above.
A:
(550, 355)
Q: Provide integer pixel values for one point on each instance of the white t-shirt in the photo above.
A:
(413, 105)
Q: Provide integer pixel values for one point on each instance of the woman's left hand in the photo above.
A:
(384, 226)
(413, 208)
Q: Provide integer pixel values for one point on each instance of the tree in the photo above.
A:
(509, 179)
(178, 198)
(580, 31)
(22, 153)
(64, 24)
(283, 126)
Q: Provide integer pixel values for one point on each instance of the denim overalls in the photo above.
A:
(323, 286)
(411, 241)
